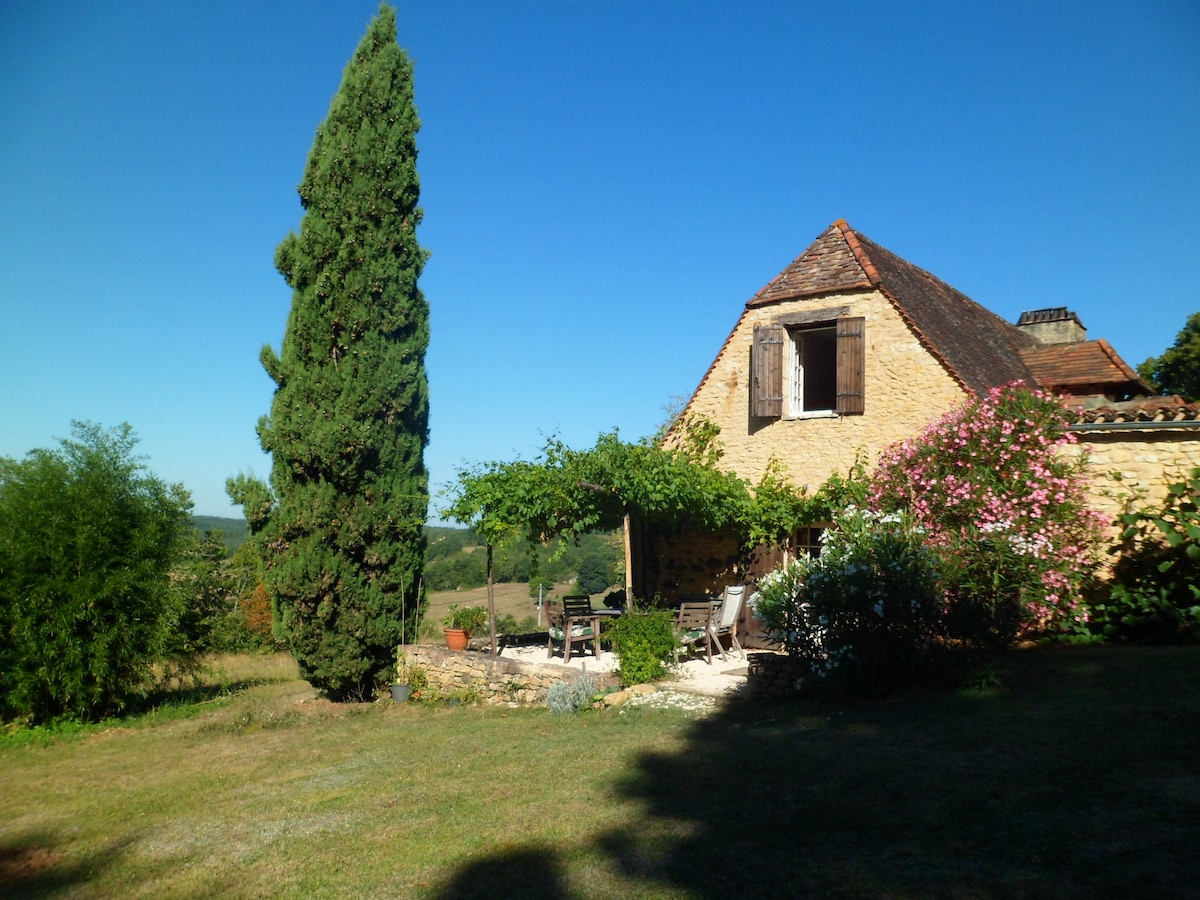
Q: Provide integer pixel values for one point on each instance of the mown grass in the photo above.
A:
(1077, 777)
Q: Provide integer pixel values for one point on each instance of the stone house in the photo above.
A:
(852, 348)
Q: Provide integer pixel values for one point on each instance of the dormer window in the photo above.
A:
(813, 371)
(823, 353)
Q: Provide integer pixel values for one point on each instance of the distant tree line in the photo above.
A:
(455, 558)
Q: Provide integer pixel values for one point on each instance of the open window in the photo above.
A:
(823, 360)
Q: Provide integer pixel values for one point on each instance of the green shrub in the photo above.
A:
(569, 697)
(87, 540)
(984, 578)
(507, 623)
(1155, 590)
(644, 643)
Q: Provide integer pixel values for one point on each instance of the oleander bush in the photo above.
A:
(867, 615)
(975, 532)
(993, 490)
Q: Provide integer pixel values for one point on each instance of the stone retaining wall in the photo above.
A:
(496, 679)
(773, 675)
(501, 680)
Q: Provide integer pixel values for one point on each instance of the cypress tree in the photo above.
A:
(344, 541)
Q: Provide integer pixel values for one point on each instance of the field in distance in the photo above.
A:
(511, 599)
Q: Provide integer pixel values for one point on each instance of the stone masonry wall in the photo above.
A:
(905, 389)
(1147, 461)
(496, 679)
(695, 563)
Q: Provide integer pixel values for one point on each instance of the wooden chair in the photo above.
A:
(725, 619)
(693, 624)
(571, 622)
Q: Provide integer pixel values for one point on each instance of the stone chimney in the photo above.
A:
(1056, 325)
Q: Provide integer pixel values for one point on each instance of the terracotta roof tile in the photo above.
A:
(977, 347)
(827, 266)
(1094, 410)
(1086, 367)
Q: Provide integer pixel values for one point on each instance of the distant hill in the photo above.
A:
(234, 530)
(455, 558)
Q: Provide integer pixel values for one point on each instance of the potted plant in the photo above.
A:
(459, 623)
(402, 687)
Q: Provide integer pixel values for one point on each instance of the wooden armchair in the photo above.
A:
(693, 624)
(571, 622)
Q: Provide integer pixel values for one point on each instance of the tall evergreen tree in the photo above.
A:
(349, 420)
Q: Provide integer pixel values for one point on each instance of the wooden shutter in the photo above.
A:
(766, 363)
(851, 353)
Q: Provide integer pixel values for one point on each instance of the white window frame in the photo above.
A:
(796, 408)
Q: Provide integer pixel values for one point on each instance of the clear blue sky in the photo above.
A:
(605, 184)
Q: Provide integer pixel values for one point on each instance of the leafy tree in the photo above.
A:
(444, 542)
(465, 570)
(1177, 371)
(221, 605)
(568, 493)
(595, 573)
(204, 596)
(87, 540)
(349, 422)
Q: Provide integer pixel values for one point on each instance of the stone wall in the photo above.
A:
(774, 675)
(1146, 461)
(695, 562)
(496, 679)
(905, 388)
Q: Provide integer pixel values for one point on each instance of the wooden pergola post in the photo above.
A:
(628, 561)
(491, 594)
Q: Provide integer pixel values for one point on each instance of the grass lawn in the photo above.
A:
(1079, 776)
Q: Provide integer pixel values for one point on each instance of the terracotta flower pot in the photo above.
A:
(456, 639)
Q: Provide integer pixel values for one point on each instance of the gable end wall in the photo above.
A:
(904, 386)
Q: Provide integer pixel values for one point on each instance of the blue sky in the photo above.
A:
(605, 184)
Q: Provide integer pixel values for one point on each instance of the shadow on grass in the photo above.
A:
(525, 873)
(34, 866)
(187, 697)
(1078, 777)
